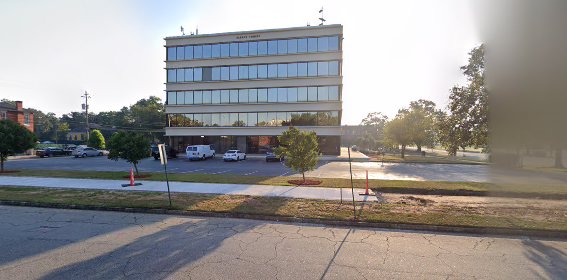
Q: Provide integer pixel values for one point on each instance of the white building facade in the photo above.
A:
(243, 89)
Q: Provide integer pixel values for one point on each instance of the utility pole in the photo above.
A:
(86, 107)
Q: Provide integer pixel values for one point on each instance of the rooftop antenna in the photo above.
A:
(322, 19)
(182, 30)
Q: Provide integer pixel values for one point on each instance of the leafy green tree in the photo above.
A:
(300, 149)
(62, 130)
(374, 139)
(398, 132)
(421, 121)
(96, 140)
(130, 146)
(14, 138)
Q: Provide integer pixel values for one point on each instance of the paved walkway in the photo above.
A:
(206, 188)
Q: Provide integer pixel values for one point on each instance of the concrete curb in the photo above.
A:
(414, 227)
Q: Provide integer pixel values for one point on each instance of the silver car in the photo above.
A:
(86, 152)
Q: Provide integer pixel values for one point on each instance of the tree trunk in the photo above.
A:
(2, 164)
(403, 151)
(419, 148)
(303, 173)
(136, 168)
(559, 158)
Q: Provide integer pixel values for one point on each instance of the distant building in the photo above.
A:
(76, 135)
(17, 113)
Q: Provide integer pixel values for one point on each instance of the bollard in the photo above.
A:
(132, 178)
(367, 192)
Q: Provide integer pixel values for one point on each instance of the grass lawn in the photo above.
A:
(520, 218)
(427, 159)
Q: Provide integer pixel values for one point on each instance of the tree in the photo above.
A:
(14, 138)
(96, 140)
(398, 131)
(375, 137)
(300, 149)
(130, 146)
(421, 121)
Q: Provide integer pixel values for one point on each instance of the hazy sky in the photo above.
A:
(394, 51)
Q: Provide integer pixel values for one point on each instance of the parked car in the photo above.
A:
(86, 152)
(234, 155)
(199, 152)
(271, 156)
(69, 149)
(50, 152)
(171, 152)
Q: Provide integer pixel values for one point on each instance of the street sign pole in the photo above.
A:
(163, 159)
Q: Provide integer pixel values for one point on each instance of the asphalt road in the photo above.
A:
(42, 243)
(258, 167)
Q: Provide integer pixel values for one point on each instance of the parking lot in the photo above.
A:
(256, 166)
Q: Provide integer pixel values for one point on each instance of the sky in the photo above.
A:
(394, 52)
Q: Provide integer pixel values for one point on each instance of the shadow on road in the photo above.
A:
(551, 260)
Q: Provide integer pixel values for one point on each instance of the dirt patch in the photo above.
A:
(305, 183)
(9, 171)
(139, 176)
(415, 200)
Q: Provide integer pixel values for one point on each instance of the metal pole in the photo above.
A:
(351, 185)
(167, 180)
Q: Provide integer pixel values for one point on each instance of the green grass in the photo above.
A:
(427, 159)
(524, 218)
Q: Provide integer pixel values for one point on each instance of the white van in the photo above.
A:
(199, 152)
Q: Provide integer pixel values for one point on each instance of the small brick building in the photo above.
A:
(17, 114)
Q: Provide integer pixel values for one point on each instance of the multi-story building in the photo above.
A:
(242, 89)
(17, 113)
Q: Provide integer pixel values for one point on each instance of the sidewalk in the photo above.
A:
(203, 188)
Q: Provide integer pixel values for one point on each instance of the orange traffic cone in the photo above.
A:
(132, 177)
(367, 192)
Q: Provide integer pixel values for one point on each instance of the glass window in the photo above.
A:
(171, 98)
(282, 94)
(282, 70)
(262, 47)
(262, 95)
(233, 49)
(292, 70)
(281, 118)
(282, 46)
(180, 53)
(181, 97)
(207, 51)
(272, 118)
(253, 96)
(292, 46)
(312, 45)
(198, 119)
(225, 73)
(216, 73)
(312, 69)
(302, 69)
(302, 94)
(334, 93)
(334, 43)
(323, 44)
(262, 119)
(171, 54)
(207, 98)
(322, 68)
(243, 49)
(333, 68)
(243, 119)
(198, 52)
(189, 97)
(243, 72)
(233, 96)
(323, 94)
(189, 74)
(252, 119)
(234, 119)
(197, 97)
(252, 48)
(252, 72)
(272, 47)
(197, 74)
(207, 74)
(215, 120)
(233, 72)
(272, 95)
(189, 52)
(301, 45)
(171, 73)
(225, 96)
(292, 94)
(225, 119)
(312, 94)
(243, 96)
(207, 119)
(180, 75)
(225, 50)
(215, 98)
(262, 71)
(272, 70)
(215, 51)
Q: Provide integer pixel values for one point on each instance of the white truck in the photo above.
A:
(200, 152)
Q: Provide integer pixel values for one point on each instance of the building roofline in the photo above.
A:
(254, 31)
